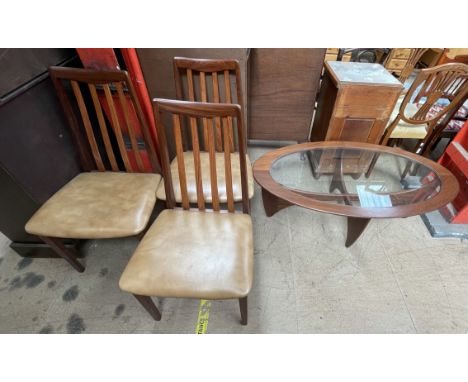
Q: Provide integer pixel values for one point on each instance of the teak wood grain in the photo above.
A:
(210, 112)
(205, 69)
(112, 85)
(448, 189)
(339, 101)
(283, 86)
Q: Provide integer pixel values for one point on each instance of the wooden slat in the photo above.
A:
(180, 161)
(197, 164)
(190, 85)
(87, 125)
(227, 85)
(213, 175)
(130, 128)
(116, 126)
(103, 127)
(204, 99)
(227, 167)
(243, 165)
(219, 135)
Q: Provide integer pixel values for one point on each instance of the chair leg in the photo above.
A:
(149, 305)
(243, 310)
(57, 245)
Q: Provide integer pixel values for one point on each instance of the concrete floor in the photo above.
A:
(395, 279)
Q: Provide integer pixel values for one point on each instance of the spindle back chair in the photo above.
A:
(117, 112)
(210, 114)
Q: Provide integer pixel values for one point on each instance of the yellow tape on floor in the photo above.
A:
(203, 315)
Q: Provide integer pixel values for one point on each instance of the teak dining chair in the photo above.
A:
(208, 80)
(448, 83)
(106, 203)
(197, 253)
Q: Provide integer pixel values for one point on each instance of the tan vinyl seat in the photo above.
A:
(206, 178)
(98, 205)
(189, 254)
(404, 129)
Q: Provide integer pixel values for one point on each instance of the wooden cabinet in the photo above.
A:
(37, 154)
(355, 102)
(397, 60)
(283, 86)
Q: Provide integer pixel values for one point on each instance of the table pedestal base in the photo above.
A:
(356, 227)
(272, 204)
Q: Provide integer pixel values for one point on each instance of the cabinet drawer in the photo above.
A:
(396, 64)
(401, 53)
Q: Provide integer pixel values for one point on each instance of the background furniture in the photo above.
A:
(287, 180)
(196, 254)
(282, 90)
(102, 204)
(158, 67)
(431, 57)
(355, 102)
(454, 55)
(448, 83)
(37, 155)
(370, 55)
(401, 62)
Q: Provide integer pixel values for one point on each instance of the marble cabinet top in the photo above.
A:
(362, 72)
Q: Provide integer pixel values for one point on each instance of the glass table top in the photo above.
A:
(356, 177)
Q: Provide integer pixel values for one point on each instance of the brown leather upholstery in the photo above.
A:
(192, 254)
(206, 178)
(97, 205)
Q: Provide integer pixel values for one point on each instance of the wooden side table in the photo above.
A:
(355, 102)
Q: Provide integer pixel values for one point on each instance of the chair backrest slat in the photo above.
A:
(103, 127)
(204, 99)
(180, 161)
(227, 84)
(117, 129)
(197, 164)
(87, 125)
(213, 173)
(131, 132)
(210, 112)
(227, 167)
(216, 99)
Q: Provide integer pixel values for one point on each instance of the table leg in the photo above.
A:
(315, 174)
(356, 227)
(337, 181)
(272, 204)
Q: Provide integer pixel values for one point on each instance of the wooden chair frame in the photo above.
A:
(206, 68)
(88, 150)
(107, 80)
(448, 81)
(205, 111)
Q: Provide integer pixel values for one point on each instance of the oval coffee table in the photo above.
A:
(358, 180)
